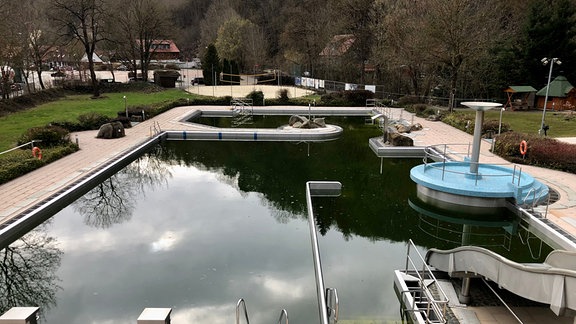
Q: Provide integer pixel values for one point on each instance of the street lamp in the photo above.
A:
(546, 61)
(125, 106)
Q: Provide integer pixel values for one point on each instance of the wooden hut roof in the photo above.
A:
(520, 89)
(559, 87)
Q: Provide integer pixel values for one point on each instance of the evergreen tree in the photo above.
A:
(230, 72)
(211, 66)
(549, 32)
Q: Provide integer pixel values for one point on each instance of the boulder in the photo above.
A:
(397, 139)
(111, 130)
(320, 122)
(416, 127)
(303, 122)
(402, 128)
(297, 119)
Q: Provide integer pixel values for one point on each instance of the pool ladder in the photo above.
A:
(241, 308)
(243, 111)
(331, 309)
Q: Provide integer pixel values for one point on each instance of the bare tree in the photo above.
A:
(142, 24)
(83, 21)
(357, 21)
(308, 28)
(10, 49)
(38, 37)
(217, 14)
(398, 49)
(458, 31)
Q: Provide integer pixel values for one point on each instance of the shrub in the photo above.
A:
(409, 100)
(257, 98)
(29, 100)
(460, 121)
(332, 99)
(358, 97)
(492, 126)
(92, 120)
(355, 98)
(542, 151)
(68, 125)
(424, 110)
(49, 135)
(20, 162)
(283, 95)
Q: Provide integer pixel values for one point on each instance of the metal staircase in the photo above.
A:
(421, 297)
(243, 111)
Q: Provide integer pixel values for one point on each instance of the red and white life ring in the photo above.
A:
(523, 147)
(37, 153)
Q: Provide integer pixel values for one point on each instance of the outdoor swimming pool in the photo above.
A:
(197, 225)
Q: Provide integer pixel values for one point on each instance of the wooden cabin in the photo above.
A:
(561, 96)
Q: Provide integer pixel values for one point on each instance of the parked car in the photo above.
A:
(197, 81)
(17, 86)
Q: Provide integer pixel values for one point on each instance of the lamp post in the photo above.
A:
(125, 106)
(500, 123)
(546, 61)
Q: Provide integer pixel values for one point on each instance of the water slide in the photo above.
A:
(552, 282)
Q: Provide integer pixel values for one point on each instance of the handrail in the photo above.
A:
(433, 303)
(319, 189)
(333, 303)
(242, 303)
(440, 152)
(513, 275)
(20, 146)
(155, 128)
(283, 314)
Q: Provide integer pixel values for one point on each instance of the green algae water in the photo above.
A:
(195, 226)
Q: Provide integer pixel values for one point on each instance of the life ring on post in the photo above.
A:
(37, 153)
(523, 147)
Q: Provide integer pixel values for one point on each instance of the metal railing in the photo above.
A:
(445, 153)
(332, 304)
(439, 305)
(243, 111)
(241, 308)
(283, 315)
(319, 189)
(155, 128)
(31, 143)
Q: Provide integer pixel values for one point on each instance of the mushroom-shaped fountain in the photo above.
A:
(466, 185)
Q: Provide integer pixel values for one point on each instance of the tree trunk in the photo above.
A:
(39, 72)
(453, 82)
(95, 85)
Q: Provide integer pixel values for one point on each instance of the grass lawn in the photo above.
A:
(69, 108)
(562, 124)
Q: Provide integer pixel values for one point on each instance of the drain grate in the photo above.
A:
(553, 195)
(559, 229)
